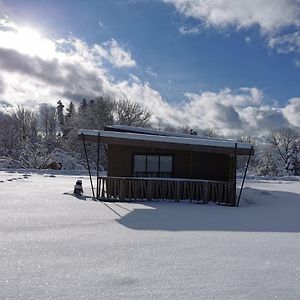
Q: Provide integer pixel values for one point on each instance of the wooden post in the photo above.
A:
(149, 190)
(177, 191)
(98, 154)
(234, 177)
(122, 188)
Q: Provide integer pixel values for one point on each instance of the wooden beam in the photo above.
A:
(166, 145)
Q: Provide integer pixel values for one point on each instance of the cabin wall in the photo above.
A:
(186, 164)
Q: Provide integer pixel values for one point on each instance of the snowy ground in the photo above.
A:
(54, 245)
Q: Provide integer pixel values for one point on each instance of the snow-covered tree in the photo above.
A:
(292, 165)
(47, 120)
(83, 105)
(60, 114)
(9, 136)
(71, 111)
(266, 165)
(131, 114)
(284, 150)
(26, 121)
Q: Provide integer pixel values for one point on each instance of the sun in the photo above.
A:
(29, 35)
(30, 41)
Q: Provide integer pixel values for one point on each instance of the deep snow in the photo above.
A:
(54, 245)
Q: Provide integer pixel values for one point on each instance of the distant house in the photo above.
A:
(151, 164)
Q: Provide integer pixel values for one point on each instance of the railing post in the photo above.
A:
(98, 154)
(149, 190)
(122, 189)
(177, 191)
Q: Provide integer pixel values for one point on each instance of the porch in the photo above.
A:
(133, 188)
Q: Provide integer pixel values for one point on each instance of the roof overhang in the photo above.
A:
(166, 142)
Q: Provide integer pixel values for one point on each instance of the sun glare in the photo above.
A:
(31, 42)
(29, 34)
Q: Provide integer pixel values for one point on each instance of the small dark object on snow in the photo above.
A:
(78, 189)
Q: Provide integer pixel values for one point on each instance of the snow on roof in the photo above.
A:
(190, 140)
(133, 129)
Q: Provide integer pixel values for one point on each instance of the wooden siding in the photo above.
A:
(128, 189)
(186, 164)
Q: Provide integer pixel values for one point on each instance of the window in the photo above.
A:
(152, 165)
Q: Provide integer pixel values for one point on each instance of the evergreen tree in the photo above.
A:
(71, 110)
(83, 105)
(60, 114)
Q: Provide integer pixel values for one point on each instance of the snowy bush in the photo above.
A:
(60, 159)
(8, 162)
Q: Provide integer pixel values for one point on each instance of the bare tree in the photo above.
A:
(101, 112)
(48, 127)
(131, 114)
(48, 121)
(284, 146)
(210, 132)
(9, 136)
(282, 141)
(26, 121)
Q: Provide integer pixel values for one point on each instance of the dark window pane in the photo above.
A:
(166, 164)
(152, 163)
(139, 163)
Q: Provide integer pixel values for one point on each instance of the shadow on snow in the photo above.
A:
(260, 211)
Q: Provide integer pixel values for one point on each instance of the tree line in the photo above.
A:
(28, 137)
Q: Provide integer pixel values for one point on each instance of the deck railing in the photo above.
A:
(131, 188)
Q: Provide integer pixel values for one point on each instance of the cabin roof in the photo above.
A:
(133, 129)
(142, 137)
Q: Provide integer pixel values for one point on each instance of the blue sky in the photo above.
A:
(184, 49)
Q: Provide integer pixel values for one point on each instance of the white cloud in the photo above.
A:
(292, 111)
(297, 63)
(36, 68)
(272, 17)
(229, 112)
(150, 72)
(70, 69)
(269, 15)
(193, 30)
(285, 43)
(115, 54)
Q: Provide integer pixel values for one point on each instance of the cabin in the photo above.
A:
(147, 164)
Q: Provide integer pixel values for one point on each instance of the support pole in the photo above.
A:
(242, 186)
(88, 165)
(234, 176)
(98, 154)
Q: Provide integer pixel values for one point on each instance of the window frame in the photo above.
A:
(171, 174)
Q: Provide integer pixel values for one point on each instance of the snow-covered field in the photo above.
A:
(54, 245)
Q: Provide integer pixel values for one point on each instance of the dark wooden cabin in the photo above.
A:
(151, 164)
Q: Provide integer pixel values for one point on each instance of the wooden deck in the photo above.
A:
(132, 189)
